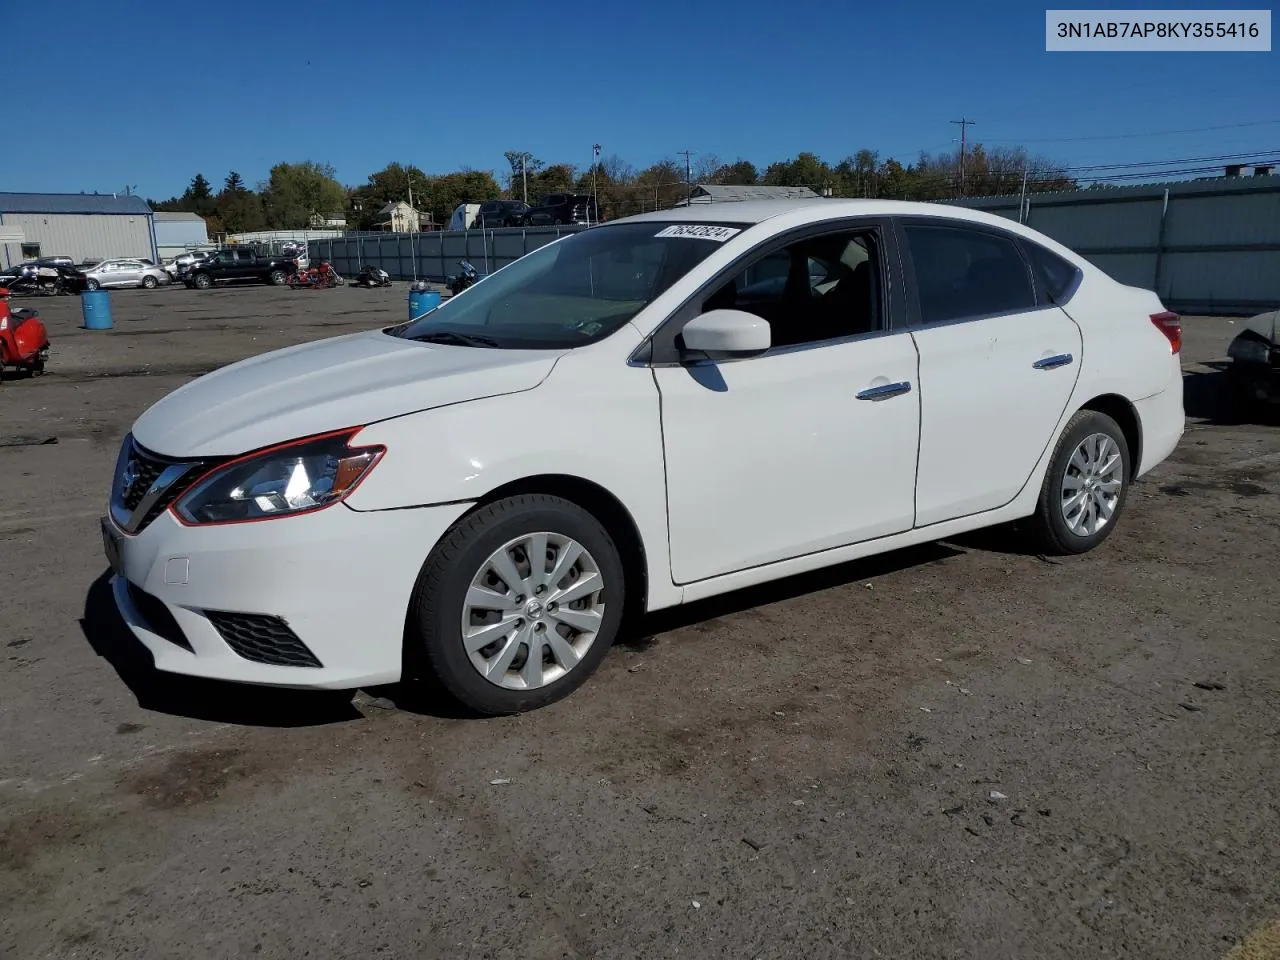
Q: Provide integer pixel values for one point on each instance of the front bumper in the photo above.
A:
(337, 581)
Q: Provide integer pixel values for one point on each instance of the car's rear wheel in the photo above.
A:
(518, 604)
(203, 281)
(1085, 488)
(278, 277)
(149, 282)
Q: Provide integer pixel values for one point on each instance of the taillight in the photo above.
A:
(1170, 324)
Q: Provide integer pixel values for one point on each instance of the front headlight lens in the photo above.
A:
(293, 479)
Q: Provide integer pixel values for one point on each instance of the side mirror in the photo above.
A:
(727, 334)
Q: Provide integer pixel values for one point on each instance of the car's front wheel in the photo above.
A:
(203, 281)
(150, 282)
(278, 277)
(518, 604)
(1085, 487)
(91, 284)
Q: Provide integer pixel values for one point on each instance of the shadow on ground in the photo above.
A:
(248, 705)
(200, 699)
(1212, 397)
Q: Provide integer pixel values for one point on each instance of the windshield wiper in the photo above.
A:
(457, 339)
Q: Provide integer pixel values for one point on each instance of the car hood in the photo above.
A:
(1265, 325)
(328, 385)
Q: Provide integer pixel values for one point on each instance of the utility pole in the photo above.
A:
(688, 175)
(964, 125)
(595, 165)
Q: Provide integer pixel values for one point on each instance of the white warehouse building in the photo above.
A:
(82, 226)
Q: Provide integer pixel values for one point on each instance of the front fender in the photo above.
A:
(593, 419)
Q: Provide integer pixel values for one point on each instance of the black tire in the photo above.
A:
(149, 283)
(91, 284)
(1047, 525)
(278, 277)
(202, 281)
(434, 636)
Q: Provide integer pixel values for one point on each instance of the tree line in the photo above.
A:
(295, 192)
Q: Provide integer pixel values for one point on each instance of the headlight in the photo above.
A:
(287, 480)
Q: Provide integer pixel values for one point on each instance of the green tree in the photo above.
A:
(740, 173)
(238, 209)
(297, 190)
(806, 170)
(443, 194)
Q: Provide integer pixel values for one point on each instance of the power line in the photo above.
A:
(1130, 136)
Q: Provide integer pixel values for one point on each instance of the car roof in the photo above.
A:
(758, 211)
(752, 212)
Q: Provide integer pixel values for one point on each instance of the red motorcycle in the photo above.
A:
(24, 342)
(317, 278)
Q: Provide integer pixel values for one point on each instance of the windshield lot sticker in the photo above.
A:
(699, 231)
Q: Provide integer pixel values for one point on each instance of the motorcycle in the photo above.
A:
(24, 342)
(372, 276)
(462, 281)
(317, 278)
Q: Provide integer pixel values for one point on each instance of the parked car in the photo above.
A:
(501, 213)
(39, 278)
(1254, 372)
(563, 208)
(239, 266)
(952, 370)
(125, 273)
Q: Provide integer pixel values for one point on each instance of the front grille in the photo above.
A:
(262, 639)
(143, 468)
(157, 616)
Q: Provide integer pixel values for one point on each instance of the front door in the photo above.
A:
(997, 369)
(809, 446)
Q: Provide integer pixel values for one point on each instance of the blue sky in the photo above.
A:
(116, 99)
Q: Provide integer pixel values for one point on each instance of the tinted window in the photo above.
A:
(964, 273)
(1055, 274)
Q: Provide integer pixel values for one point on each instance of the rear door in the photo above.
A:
(129, 273)
(998, 365)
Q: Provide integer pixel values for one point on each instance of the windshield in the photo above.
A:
(572, 292)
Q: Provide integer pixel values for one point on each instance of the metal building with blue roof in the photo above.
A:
(82, 226)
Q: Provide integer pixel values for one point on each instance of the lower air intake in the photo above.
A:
(262, 639)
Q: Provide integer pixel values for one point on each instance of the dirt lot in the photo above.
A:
(806, 770)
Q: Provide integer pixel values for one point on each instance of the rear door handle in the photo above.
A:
(885, 391)
(1048, 363)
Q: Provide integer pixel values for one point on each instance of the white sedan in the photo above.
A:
(640, 415)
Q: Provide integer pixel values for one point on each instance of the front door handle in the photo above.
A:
(885, 391)
(1048, 363)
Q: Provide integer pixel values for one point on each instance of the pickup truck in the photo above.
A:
(238, 266)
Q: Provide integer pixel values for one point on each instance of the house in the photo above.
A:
(725, 193)
(332, 221)
(399, 217)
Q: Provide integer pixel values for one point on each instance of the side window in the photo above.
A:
(965, 273)
(227, 256)
(1055, 274)
(820, 288)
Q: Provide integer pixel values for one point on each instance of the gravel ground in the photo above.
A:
(961, 750)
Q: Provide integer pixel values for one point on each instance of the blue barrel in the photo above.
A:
(96, 305)
(420, 301)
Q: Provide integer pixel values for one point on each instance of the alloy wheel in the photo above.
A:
(1091, 485)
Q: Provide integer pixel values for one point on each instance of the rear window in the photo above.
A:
(1055, 274)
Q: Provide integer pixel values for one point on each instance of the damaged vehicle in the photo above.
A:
(1255, 360)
